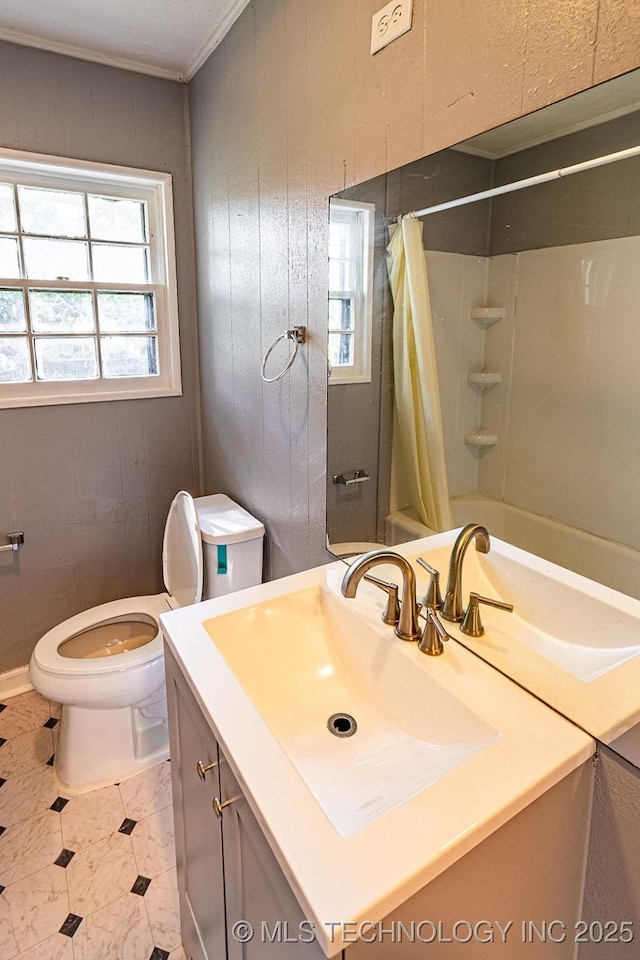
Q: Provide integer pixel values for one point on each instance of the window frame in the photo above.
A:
(156, 189)
(361, 296)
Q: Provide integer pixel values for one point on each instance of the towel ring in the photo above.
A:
(298, 335)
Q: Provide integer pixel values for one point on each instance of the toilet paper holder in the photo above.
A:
(14, 541)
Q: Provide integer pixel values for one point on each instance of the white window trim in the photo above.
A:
(360, 370)
(154, 187)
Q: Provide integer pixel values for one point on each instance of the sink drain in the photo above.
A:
(342, 725)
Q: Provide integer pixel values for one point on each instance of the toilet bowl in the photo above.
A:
(106, 666)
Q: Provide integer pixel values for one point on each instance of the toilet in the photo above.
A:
(106, 666)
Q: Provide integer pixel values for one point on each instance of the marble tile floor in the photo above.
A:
(90, 877)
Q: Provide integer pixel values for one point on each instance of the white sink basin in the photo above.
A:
(306, 657)
(572, 642)
(446, 751)
(565, 622)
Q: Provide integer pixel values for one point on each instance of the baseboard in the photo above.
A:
(14, 682)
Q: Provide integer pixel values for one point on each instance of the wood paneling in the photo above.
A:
(293, 108)
(618, 39)
(90, 484)
(560, 42)
(611, 884)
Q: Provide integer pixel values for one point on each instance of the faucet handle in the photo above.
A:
(433, 635)
(391, 612)
(432, 597)
(471, 623)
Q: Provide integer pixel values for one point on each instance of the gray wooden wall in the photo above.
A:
(90, 483)
(612, 881)
(290, 109)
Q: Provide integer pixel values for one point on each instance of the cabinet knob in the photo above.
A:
(202, 769)
(219, 806)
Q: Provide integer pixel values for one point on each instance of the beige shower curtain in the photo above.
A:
(418, 436)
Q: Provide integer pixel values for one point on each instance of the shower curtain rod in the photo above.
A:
(527, 182)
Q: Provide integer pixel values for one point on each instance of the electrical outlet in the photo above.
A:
(390, 23)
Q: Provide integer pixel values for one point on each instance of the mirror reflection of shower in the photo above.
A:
(597, 273)
(533, 298)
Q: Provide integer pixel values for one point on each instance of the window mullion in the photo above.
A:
(97, 323)
(21, 263)
(94, 292)
(24, 286)
(37, 283)
(344, 294)
(88, 231)
(32, 347)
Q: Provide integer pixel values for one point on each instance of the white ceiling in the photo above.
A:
(166, 38)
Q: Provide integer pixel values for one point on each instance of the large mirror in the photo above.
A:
(535, 305)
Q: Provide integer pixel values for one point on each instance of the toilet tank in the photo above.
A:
(232, 546)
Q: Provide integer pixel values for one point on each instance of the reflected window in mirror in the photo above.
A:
(351, 230)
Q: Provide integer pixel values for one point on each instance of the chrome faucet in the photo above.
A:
(453, 608)
(407, 627)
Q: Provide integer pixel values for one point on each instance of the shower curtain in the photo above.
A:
(418, 436)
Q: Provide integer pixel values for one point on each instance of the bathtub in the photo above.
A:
(347, 551)
(606, 561)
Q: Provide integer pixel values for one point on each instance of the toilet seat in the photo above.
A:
(47, 657)
(123, 680)
(110, 638)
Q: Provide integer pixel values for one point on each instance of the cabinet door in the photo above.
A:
(198, 830)
(257, 890)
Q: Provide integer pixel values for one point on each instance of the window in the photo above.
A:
(351, 228)
(88, 306)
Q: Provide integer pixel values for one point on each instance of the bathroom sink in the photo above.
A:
(573, 642)
(363, 727)
(445, 752)
(559, 618)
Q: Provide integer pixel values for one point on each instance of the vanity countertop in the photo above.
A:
(364, 875)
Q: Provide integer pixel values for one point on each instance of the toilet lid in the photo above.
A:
(182, 552)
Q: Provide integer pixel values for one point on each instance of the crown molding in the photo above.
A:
(218, 34)
(94, 56)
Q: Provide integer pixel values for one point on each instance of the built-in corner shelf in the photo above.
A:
(487, 316)
(484, 379)
(480, 438)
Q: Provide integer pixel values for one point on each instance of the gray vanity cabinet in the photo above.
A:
(226, 870)
(230, 881)
(256, 889)
(198, 831)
